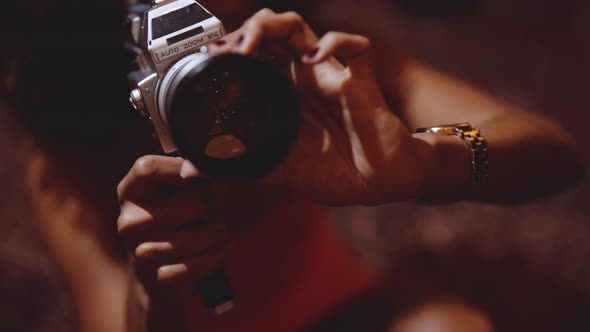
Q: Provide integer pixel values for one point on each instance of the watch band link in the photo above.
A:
(476, 143)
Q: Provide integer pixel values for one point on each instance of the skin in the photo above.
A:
(443, 316)
(352, 147)
(86, 251)
(368, 151)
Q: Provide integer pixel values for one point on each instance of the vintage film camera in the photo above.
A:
(234, 116)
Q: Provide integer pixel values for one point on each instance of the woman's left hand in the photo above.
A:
(351, 148)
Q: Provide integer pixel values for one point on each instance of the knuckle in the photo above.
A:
(129, 222)
(125, 223)
(332, 37)
(264, 12)
(253, 25)
(121, 188)
(294, 17)
(258, 19)
(295, 20)
(144, 166)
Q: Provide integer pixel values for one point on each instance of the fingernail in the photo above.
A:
(220, 42)
(188, 170)
(239, 41)
(310, 54)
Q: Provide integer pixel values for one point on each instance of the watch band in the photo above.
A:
(476, 143)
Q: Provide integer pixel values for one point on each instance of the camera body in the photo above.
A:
(168, 39)
(234, 116)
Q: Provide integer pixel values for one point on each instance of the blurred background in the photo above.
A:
(527, 264)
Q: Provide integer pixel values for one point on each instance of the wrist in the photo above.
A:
(445, 163)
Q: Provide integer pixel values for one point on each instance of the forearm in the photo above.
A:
(529, 155)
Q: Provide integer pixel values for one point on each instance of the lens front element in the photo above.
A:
(233, 116)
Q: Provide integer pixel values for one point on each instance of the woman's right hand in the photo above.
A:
(351, 148)
(168, 223)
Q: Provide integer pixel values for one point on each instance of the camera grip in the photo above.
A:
(216, 291)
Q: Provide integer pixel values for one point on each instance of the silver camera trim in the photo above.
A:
(160, 62)
(178, 70)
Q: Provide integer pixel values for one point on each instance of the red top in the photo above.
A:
(285, 272)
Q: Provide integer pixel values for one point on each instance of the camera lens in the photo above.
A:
(233, 116)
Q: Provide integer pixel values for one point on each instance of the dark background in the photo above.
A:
(527, 264)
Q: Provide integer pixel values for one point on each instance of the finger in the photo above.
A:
(226, 43)
(268, 26)
(275, 53)
(353, 49)
(197, 267)
(170, 213)
(151, 173)
(183, 244)
(177, 281)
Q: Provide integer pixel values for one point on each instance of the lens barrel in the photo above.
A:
(233, 116)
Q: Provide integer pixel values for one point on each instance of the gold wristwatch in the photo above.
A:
(476, 143)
